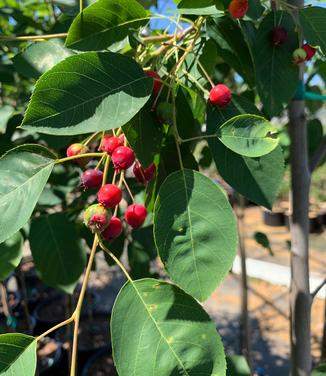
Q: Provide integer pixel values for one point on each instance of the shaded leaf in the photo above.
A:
(24, 172)
(237, 366)
(87, 92)
(11, 252)
(57, 251)
(105, 22)
(200, 7)
(262, 239)
(273, 64)
(194, 231)
(319, 370)
(5, 114)
(157, 321)
(313, 22)
(17, 355)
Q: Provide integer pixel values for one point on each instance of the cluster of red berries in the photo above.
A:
(238, 8)
(98, 217)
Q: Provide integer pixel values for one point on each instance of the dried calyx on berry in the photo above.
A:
(114, 229)
(110, 143)
(238, 8)
(123, 158)
(97, 218)
(157, 80)
(91, 178)
(135, 215)
(109, 195)
(279, 35)
(144, 175)
(220, 95)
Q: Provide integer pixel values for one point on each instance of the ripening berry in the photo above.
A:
(238, 8)
(310, 51)
(150, 172)
(123, 157)
(220, 95)
(114, 229)
(144, 175)
(110, 143)
(279, 35)
(91, 178)
(299, 56)
(97, 218)
(164, 113)
(75, 149)
(135, 215)
(109, 195)
(157, 80)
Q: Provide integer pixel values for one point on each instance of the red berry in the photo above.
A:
(139, 173)
(238, 8)
(135, 215)
(279, 35)
(220, 95)
(123, 157)
(97, 218)
(150, 172)
(91, 178)
(76, 149)
(157, 80)
(109, 195)
(114, 229)
(110, 143)
(310, 51)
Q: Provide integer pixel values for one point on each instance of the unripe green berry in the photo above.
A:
(97, 218)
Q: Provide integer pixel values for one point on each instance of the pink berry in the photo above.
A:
(279, 35)
(135, 215)
(109, 195)
(114, 229)
(110, 143)
(220, 95)
(123, 157)
(97, 218)
(157, 80)
(76, 149)
(310, 51)
(91, 178)
(238, 8)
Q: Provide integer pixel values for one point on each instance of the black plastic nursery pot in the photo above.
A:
(100, 364)
(54, 310)
(273, 218)
(94, 334)
(50, 358)
(315, 223)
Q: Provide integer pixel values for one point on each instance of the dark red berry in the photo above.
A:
(139, 173)
(110, 143)
(123, 157)
(109, 195)
(310, 51)
(150, 172)
(279, 35)
(220, 95)
(97, 218)
(157, 80)
(135, 215)
(114, 229)
(238, 8)
(91, 178)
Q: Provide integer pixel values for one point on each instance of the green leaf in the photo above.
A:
(231, 46)
(144, 134)
(157, 322)
(237, 366)
(320, 370)
(248, 135)
(273, 64)
(17, 355)
(40, 57)
(255, 9)
(314, 134)
(104, 23)
(5, 114)
(24, 172)
(195, 232)
(57, 251)
(88, 92)
(199, 7)
(262, 239)
(258, 179)
(11, 252)
(313, 22)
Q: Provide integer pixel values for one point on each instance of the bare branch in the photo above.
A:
(318, 288)
(318, 155)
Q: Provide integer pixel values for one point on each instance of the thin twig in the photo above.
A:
(318, 288)
(33, 37)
